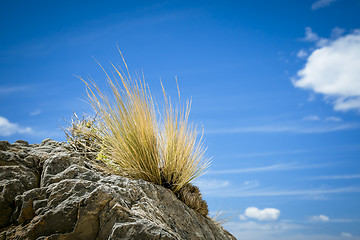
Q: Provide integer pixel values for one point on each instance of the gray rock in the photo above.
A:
(17, 175)
(57, 194)
(4, 145)
(22, 142)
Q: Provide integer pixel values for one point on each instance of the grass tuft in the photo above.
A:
(82, 134)
(135, 140)
(191, 196)
(220, 218)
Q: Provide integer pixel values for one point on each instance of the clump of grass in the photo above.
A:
(82, 134)
(137, 141)
(182, 152)
(191, 196)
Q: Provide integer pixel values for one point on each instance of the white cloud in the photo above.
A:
(344, 104)
(320, 218)
(312, 118)
(333, 70)
(317, 118)
(333, 119)
(36, 112)
(346, 234)
(7, 128)
(310, 36)
(242, 217)
(302, 54)
(321, 4)
(266, 214)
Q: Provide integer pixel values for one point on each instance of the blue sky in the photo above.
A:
(275, 84)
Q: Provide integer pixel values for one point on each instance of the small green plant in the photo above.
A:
(134, 139)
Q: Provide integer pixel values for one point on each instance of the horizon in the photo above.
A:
(275, 85)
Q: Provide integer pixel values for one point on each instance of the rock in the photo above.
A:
(4, 145)
(22, 142)
(49, 192)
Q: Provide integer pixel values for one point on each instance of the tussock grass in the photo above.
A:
(138, 141)
(182, 152)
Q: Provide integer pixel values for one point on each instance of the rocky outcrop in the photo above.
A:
(50, 192)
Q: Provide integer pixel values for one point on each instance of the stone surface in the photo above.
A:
(49, 192)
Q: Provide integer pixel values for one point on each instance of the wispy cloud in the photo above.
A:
(286, 129)
(326, 119)
(265, 226)
(36, 112)
(321, 4)
(346, 234)
(90, 31)
(12, 89)
(279, 230)
(267, 154)
(8, 128)
(310, 36)
(335, 177)
(210, 184)
(333, 119)
(344, 220)
(324, 218)
(320, 218)
(275, 167)
(275, 193)
(302, 54)
(311, 118)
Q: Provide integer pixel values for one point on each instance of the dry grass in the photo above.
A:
(191, 196)
(220, 218)
(139, 142)
(182, 152)
(82, 134)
